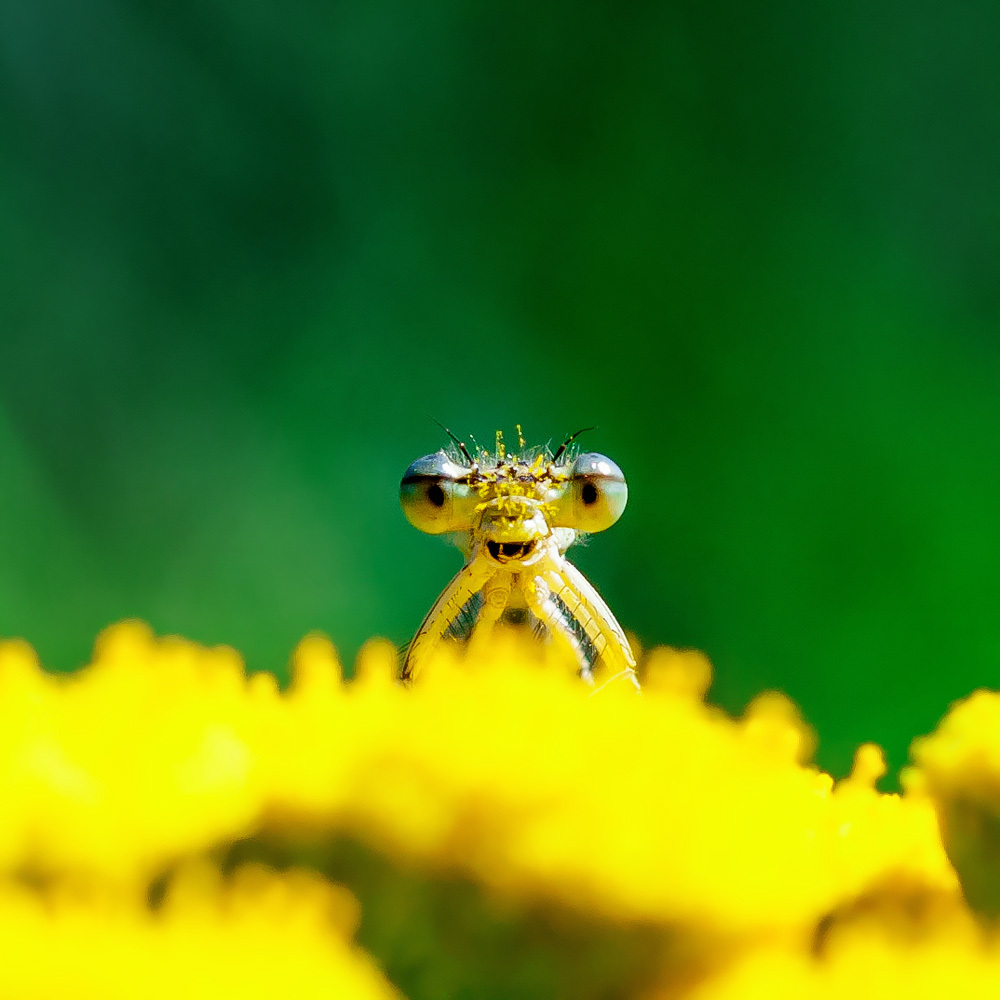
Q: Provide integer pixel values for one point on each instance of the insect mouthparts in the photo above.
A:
(503, 551)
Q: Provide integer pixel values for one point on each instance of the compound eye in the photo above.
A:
(598, 491)
(432, 493)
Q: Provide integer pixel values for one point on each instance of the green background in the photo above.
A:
(249, 246)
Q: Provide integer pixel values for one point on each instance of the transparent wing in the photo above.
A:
(567, 603)
(454, 615)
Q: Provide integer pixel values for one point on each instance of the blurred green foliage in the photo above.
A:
(248, 246)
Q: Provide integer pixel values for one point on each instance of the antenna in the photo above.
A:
(562, 448)
(461, 444)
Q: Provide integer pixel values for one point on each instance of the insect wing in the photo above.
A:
(580, 614)
(453, 616)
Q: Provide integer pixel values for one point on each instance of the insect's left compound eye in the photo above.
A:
(435, 495)
(597, 493)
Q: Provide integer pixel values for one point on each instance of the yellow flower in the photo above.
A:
(255, 934)
(507, 831)
(960, 766)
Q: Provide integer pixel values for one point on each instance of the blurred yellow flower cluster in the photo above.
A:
(170, 825)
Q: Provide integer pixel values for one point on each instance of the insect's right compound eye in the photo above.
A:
(434, 493)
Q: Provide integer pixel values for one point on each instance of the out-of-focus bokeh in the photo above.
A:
(248, 247)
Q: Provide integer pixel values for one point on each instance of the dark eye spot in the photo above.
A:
(588, 494)
(436, 495)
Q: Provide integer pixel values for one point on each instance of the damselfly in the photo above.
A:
(514, 516)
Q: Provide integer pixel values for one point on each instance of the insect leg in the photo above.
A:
(559, 625)
(496, 596)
